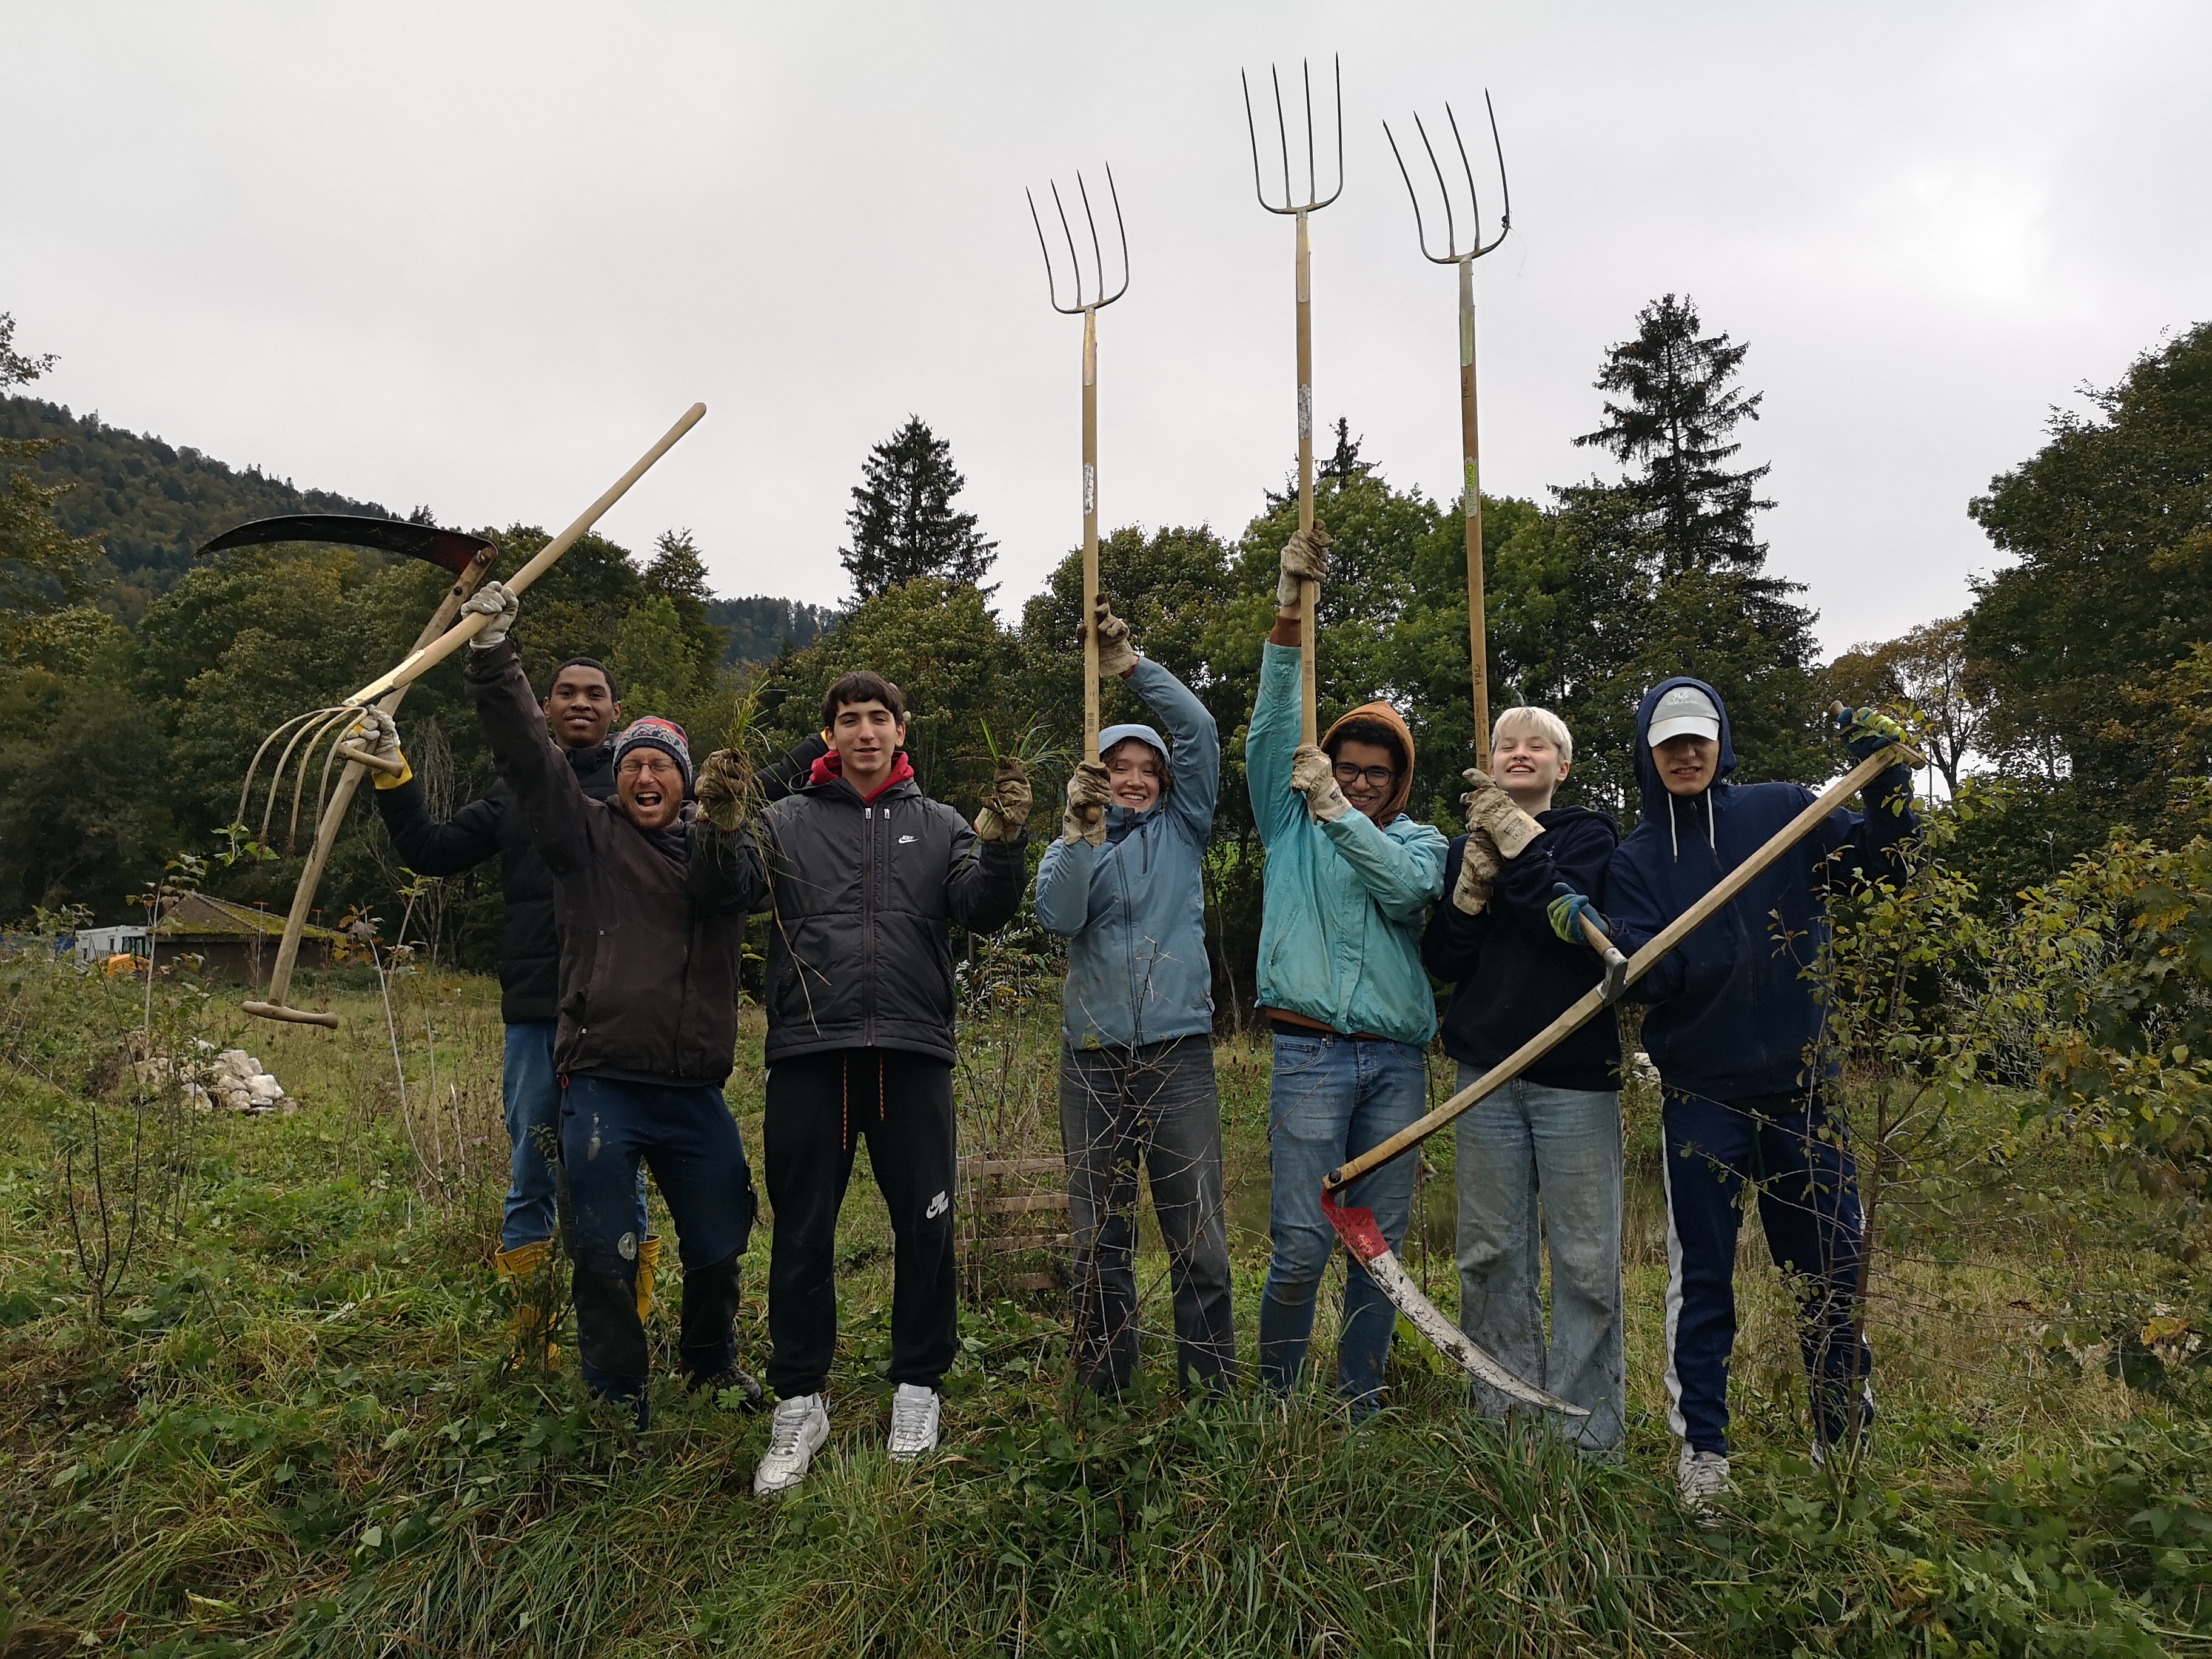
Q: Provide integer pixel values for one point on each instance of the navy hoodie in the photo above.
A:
(1512, 975)
(1731, 1014)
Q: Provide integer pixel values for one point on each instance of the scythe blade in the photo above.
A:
(1363, 1238)
(447, 549)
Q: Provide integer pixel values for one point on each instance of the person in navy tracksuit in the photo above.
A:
(1735, 1026)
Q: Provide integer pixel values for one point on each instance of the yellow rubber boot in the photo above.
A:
(535, 1316)
(649, 1261)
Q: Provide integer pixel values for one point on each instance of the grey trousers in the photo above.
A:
(1155, 1104)
(1527, 1148)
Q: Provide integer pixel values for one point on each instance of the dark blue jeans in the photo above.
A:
(1783, 1148)
(686, 1136)
(530, 1092)
(1331, 1099)
(1155, 1105)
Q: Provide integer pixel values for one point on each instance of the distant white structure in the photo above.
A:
(95, 945)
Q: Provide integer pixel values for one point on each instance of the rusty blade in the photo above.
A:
(448, 549)
(1363, 1238)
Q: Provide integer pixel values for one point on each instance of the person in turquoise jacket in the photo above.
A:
(1350, 879)
(1122, 886)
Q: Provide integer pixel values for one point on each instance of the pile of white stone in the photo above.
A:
(233, 1081)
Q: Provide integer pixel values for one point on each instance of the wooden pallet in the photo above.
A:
(1012, 1207)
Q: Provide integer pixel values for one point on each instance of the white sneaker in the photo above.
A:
(915, 1412)
(795, 1433)
(1701, 1476)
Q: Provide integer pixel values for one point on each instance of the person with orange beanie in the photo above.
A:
(1350, 879)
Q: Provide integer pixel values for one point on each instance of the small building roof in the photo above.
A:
(198, 915)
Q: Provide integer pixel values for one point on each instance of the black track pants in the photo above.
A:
(818, 1109)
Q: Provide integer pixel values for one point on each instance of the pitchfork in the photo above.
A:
(1470, 449)
(1088, 310)
(1309, 592)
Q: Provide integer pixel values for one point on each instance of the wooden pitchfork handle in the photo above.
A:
(277, 1006)
(1595, 1001)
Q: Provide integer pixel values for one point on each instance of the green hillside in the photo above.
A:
(760, 626)
(150, 503)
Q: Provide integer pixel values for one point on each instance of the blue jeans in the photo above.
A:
(1332, 1098)
(530, 1091)
(608, 1127)
(1524, 1141)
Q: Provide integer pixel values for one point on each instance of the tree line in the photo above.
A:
(2074, 695)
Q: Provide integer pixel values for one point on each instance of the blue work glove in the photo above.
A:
(1867, 731)
(1567, 912)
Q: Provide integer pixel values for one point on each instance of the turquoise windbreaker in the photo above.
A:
(1340, 941)
(1133, 911)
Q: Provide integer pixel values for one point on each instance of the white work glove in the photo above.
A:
(492, 600)
(1116, 656)
(1478, 866)
(1305, 558)
(1088, 797)
(379, 733)
(1489, 808)
(1313, 775)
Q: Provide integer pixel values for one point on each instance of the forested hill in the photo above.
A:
(150, 504)
(760, 627)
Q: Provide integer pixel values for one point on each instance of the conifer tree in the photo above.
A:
(902, 523)
(1675, 425)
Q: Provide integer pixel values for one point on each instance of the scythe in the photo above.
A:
(470, 558)
(1356, 1226)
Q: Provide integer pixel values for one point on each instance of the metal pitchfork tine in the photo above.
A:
(1478, 656)
(1309, 592)
(1088, 310)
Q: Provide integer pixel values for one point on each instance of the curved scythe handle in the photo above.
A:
(425, 657)
(1641, 963)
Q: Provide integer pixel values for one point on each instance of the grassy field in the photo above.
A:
(293, 1425)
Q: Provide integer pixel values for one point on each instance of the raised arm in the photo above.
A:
(1195, 744)
(1451, 944)
(1063, 886)
(538, 775)
(1271, 741)
(983, 879)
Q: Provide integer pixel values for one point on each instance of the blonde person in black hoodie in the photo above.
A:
(1556, 1129)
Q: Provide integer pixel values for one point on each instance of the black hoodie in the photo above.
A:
(1512, 975)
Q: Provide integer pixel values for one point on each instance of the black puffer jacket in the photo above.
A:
(861, 897)
(529, 951)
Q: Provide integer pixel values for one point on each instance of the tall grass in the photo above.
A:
(296, 1433)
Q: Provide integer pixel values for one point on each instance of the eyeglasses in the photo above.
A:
(1378, 777)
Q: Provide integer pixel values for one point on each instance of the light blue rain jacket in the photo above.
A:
(1133, 911)
(1340, 938)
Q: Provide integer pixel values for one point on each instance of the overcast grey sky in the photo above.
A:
(479, 256)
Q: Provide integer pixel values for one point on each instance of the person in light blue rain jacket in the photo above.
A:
(1122, 886)
(1350, 879)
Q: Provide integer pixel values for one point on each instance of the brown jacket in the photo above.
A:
(650, 936)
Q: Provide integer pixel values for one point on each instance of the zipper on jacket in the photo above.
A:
(868, 925)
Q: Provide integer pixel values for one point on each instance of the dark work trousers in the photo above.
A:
(1153, 1104)
(818, 1109)
(1806, 1187)
(686, 1136)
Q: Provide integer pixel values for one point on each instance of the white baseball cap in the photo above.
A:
(1685, 711)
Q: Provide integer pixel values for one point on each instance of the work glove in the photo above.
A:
(1088, 797)
(724, 791)
(1479, 865)
(1490, 809)
(1305, 558)
(1116, 656)
(379, 733)
(1566, 913)
(1867, 731)
(494, 600)
(1313, 775)
(1006, 803)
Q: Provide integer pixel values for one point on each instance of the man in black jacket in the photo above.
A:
(580, 708)
(652, 933)
(863, 875)
(1556, 1129)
